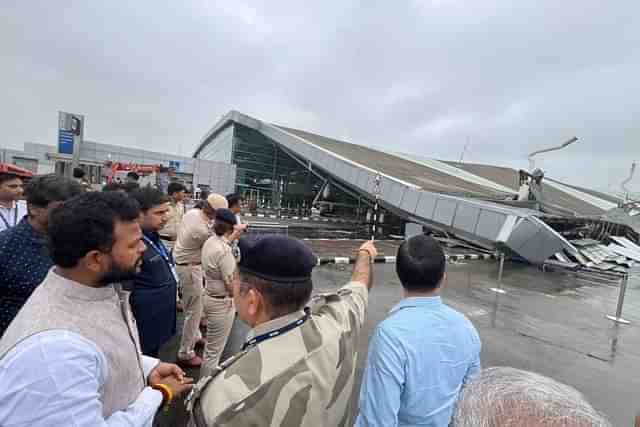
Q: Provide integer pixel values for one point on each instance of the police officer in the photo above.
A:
(169, 232)
(219, 269)
(298, 363)
(193, 232)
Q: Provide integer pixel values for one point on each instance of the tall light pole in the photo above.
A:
(626, 181)
(464, 150)
(532, 163)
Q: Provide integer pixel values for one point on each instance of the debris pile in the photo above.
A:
(616, 255)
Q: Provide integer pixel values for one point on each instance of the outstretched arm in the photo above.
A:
(362, 268)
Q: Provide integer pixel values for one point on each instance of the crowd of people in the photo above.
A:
(91, 284)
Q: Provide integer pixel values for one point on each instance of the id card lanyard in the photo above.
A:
(165, 255)
(277, 332)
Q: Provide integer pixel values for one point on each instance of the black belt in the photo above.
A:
(218, 296)
(183, 264)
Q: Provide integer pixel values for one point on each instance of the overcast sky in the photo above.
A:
(423, 77)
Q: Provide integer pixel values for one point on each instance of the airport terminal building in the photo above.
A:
(95, 158)
(283, 167)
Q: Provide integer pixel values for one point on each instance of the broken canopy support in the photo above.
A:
(623, 290)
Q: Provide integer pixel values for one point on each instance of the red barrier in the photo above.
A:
(9, 168)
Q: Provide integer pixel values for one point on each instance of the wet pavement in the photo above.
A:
(551, 323)
(348, 247)
(316, 229)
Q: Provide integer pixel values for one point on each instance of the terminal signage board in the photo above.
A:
(65, 141)
(70, 132)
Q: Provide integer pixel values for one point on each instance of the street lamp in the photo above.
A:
(559, 147)
(626, 181)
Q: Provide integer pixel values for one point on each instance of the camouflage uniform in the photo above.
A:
(303, 377)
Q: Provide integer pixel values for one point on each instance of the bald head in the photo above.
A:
(509, 397)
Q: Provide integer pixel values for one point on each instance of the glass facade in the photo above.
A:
(265, 172)
(270, 176)
(220, 148)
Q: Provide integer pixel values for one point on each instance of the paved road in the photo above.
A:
(549, 323)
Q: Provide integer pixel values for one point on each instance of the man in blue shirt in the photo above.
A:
(153, 299)
(422, 354)
(24, 258)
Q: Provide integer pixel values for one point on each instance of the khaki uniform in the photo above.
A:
(303, 376)
(169, 232)
(219, 266)
(192, 234)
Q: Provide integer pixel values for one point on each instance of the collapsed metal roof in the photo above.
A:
(460, 198)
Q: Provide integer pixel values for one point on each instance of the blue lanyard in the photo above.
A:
(160, 249)
(260, 338)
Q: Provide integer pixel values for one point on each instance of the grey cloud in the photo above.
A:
(416, 76)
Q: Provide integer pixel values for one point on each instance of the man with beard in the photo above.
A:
(72, 356)
(153, 298)
(24, 259)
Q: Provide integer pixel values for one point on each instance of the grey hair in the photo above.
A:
(509, 397)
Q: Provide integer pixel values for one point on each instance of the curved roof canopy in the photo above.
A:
(461, 198)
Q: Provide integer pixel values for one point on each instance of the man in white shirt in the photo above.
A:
(71, 357)
(12, 209)
(235, 205)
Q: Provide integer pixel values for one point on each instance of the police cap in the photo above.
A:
(216, 201)
(225, 215)
(277, 258)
